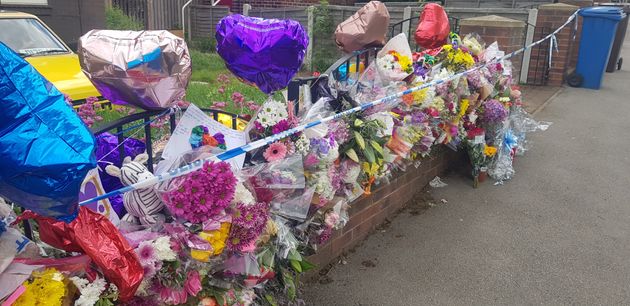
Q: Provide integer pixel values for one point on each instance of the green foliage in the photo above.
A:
(116, 19)
(325, 51)
(365, 145)
(206, 44)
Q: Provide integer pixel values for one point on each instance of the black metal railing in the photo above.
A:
(411, 23)
(538, 71)
(351, 64)
(145, 118)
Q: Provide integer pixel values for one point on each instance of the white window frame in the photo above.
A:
(24, 2)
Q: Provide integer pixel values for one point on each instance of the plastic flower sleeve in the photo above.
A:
(522, 123)
(285, 181)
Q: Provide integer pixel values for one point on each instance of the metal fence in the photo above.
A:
(404, 26)
(119, 127)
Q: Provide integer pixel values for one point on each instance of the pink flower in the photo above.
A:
(173, 296)
(238, 98)
(146, 252)
(221, 89)
(275, 151)
(182, 103)
(193, 283)
(203, 193)
(281, 126)
(331, 219)
(311, 160)
(219, 105)
(252, 106)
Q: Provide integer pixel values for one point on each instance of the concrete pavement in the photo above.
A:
(557, 233)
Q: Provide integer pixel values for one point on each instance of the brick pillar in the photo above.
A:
(551, 17)
(508, 33)
(576, 44)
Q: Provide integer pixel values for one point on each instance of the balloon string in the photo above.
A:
(229, 154)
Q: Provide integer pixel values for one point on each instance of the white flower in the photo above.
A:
(323, 187)
(243, 195)
(271, 113)
(90, 292)
(303, 145)
(163, 249)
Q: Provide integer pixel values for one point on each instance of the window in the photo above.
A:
(28, 37)
(25, 2)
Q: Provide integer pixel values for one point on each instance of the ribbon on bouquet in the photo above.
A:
(229, 154)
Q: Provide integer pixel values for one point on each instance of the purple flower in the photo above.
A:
(325, 235)
(281, 126)
(418, 117)
(146, 252)
(202, 193)
(494, 112)
(339, 131)
(259, 127)
(248, 221)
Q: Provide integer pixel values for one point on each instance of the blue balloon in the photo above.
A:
(45, 148)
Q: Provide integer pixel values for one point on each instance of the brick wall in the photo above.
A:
(368, 212)
(508, 33)
(552, 16)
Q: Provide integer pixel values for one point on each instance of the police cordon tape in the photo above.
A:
(229, 154)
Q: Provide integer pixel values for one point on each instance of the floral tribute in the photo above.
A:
(242, 236)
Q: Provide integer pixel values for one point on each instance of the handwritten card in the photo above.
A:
(179, 142)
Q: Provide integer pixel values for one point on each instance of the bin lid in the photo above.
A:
(609, 12)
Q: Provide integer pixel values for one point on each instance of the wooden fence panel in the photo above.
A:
(204, 19)
(165, 14)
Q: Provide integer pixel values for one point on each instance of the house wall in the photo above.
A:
(68, 18)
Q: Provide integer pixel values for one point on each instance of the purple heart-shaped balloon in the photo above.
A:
(264, 52)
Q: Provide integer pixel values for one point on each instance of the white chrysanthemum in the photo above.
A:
(323, 187)
(303, 145)
(271, 113)
(90, 292)
(242, 195)
(163, 249)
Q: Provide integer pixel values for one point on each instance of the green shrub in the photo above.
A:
(116, 19)
(325, 51)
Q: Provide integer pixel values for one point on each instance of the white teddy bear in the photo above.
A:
(142, 204)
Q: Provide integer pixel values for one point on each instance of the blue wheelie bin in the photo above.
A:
(598, 35)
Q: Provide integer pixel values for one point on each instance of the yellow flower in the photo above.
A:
(489, 151)
(46, 288)
(216, 238)
(463, 108)
(420, 95)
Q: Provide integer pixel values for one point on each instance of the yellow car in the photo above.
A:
(39, 45)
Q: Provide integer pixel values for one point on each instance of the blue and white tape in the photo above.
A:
(229, 154)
